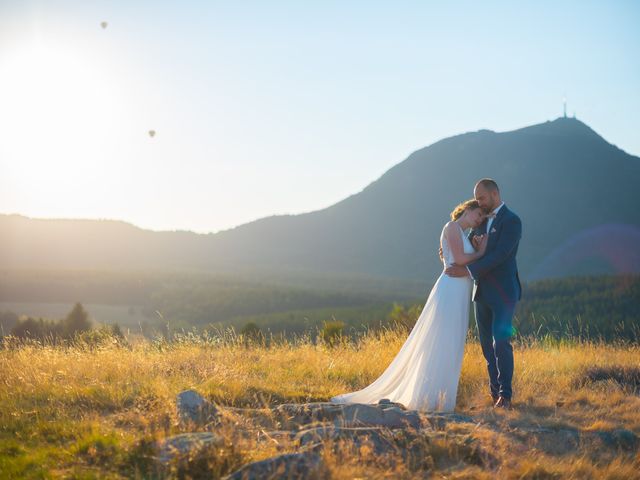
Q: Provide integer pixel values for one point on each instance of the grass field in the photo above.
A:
(93, 412)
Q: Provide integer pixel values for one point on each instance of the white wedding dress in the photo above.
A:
(424, 374)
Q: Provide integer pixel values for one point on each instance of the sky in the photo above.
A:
(269, 108)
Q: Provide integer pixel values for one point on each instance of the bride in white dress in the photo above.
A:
(424, 374)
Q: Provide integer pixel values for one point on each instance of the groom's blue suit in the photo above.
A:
(496, 290)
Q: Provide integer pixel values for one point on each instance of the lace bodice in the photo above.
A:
(446, 250)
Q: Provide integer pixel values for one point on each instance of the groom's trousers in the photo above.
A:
(494, 322)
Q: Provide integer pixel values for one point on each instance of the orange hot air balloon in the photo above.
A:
(103, 24)
(152, 133)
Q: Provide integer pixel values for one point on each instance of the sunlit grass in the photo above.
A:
(92, 411)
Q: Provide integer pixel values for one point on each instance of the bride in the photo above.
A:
(424, 374)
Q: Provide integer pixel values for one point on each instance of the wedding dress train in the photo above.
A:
(424, 374)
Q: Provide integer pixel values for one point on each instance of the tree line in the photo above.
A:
(595, 307)
(76, 322)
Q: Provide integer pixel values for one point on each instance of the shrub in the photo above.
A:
(403, 318)
(331, 332)
(37, 329)
(77, 320)
(251, 332)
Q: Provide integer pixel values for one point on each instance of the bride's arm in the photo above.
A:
(452, 232)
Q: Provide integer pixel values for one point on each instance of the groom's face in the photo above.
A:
(486, 198)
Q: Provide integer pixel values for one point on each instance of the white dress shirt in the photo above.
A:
(494, 213)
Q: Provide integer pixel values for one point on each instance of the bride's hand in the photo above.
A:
(482, 243)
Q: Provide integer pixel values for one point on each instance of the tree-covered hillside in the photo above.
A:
(591, 306)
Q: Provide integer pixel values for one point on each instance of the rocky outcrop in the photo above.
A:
(384, 414)
(386, 428)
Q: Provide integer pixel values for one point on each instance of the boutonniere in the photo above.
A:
(493, 230)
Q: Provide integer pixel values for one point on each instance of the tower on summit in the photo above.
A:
(564, 104)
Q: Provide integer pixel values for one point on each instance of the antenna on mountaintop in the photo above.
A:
(564, 103)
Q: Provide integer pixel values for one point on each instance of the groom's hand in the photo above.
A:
(456, 271)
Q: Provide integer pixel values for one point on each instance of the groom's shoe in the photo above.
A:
(503, 402)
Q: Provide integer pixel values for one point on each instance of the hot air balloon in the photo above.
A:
(152, 133)
(103, 24)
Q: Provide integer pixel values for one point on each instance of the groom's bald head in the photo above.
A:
(487, 193)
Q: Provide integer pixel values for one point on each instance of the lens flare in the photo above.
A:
(609, 248)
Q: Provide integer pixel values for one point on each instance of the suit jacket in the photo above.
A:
(495, 275)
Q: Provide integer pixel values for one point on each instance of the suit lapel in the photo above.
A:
(496, 223)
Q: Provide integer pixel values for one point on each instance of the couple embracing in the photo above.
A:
(479, 266)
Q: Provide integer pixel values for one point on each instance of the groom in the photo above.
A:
(496, 287)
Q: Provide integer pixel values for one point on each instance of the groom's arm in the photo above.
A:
(509, 238)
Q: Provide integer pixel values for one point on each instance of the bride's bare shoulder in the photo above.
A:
(446, 229)
(449, 225)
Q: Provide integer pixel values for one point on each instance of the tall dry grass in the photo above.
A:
(94, 411)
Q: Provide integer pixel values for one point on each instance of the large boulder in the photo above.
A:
(306, 465)
(194, 408)
(380, 438)
(388, 415)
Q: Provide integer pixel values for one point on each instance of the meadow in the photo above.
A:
(95, 410)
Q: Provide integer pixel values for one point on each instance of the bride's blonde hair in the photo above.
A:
(461, 208)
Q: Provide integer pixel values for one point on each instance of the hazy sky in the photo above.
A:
(272, 107)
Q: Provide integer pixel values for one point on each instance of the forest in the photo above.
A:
(590, 307)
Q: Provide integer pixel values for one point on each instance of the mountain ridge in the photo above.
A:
(391, 227)
(573, 120)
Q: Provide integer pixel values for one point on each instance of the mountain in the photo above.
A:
(575, 193)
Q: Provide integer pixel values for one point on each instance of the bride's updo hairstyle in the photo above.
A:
(463, 207)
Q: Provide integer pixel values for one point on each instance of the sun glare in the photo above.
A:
(57, 106)
(60, 109)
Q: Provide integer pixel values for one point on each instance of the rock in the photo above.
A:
(364, 414)
(305, 465)
(192, 407)
(179, 445)
(388, 415)
(559, 441)
(439, 420)
(317, 435)
(386, 402)
(467, 449)
(619, 438)
(413, 447)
